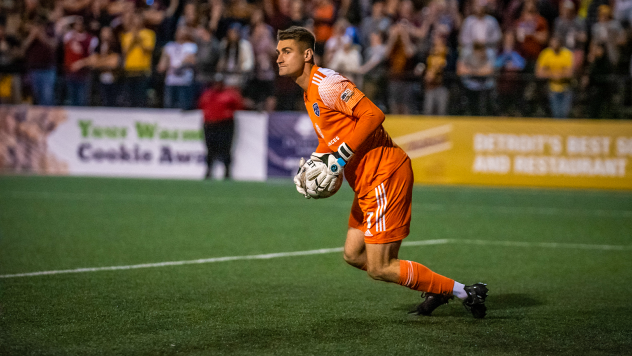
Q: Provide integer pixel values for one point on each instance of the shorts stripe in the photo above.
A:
(380, 194)
(379, 207)
(384, 209)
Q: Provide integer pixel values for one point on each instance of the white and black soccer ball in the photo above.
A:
(312, 185)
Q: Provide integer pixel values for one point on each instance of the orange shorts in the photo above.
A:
(384, 213)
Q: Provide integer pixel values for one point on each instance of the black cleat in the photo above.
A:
(432, 302)
(475, 301)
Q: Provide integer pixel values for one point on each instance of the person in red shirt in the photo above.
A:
(218, 105)
(78, 45)
(324, 15)
(351, 139)
(532, 33)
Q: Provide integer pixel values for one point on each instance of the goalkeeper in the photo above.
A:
(351, 139)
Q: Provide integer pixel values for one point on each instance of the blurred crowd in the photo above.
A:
(560, 58)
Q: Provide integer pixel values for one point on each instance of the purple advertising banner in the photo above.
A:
(290, 136)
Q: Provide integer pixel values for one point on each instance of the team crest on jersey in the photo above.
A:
(346, 95)
(316, 109)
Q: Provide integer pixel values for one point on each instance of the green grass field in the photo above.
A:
(558, 264)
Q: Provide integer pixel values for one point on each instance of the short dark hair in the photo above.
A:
(298, 34)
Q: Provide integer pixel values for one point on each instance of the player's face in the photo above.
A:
(291, 59)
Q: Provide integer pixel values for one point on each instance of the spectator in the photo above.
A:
(347, 60)
(609, 32)
(277, 14)
(40, 47)
(98, 16)
(162, 20)
(107, 63)
(190, 15)
(623, 11)
(335, 42)
(324, 15)
(571, 29)
(596, 80)
(217, 10)
(239, 11)
(237, 58)
(121, 7)
(377, 22)
(509, 63)
(479, 28)
(592, 12)
(137, 45)
(375, 70)
(261, 87)
(76, 7)
(436, 94)
(298, 16)
(218, 105)
(476, 69)
(556, 64)
(10, 67)
(401, 52)
(177, 60)
(78, 45)
(207, 55)
(441, 18)
(532, 33)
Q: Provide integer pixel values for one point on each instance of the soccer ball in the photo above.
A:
(330, 190)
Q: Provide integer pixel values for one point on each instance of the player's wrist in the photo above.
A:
(344, 154)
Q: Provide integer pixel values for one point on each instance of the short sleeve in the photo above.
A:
(339, 94)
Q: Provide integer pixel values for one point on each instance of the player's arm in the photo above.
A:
(322, 147)
(369, 117)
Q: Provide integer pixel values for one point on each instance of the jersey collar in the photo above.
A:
(311, 75)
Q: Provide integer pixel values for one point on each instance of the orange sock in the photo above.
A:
(419, 277)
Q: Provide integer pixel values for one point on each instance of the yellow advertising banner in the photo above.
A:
(516, 152)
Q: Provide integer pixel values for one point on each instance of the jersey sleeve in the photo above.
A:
(339, 94)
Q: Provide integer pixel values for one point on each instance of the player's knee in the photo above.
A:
(378, 273)
(353, 260)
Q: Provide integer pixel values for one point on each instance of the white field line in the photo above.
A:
(325, 251)
(545, 245)
(452, 208)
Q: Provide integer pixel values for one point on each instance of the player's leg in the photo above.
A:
(355, 250)
(388, 214)
(383, 264)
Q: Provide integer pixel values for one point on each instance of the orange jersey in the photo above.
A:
(330, 99)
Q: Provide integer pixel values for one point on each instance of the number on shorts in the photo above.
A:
(368, 219)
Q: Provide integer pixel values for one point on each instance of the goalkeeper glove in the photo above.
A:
(335, 164)
(299, 178)
(308, 170)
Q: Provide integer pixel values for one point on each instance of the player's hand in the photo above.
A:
(299, 178)
(314, 168)
(307, 171)
(335, 163)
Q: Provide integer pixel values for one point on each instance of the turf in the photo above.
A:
(544, 299)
